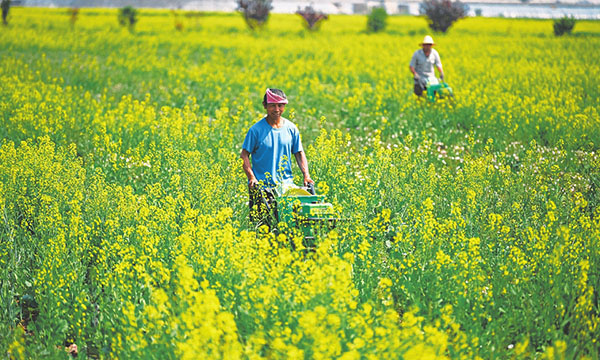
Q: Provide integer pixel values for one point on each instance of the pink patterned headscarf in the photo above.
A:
(273, 98)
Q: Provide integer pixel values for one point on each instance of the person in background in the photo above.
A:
(268, 148)
(422, 65)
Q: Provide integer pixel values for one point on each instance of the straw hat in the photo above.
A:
(427, 40)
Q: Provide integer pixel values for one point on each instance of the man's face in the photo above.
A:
(275, 110)
(427, 48)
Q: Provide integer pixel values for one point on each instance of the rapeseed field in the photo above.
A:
(471, 227)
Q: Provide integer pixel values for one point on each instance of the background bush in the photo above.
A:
(441, 14)
(73, 15)
(563, 25)
(256, 12)
(312, 19)
(377, 19)
(5, 5)
(128, 16)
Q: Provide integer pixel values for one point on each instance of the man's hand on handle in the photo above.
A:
(245, 155)
(252, 183)
(308, 180)
(310, 185)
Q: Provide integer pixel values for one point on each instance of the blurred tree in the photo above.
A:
(442, 14)
(256, 12)
(564, 25)
(5, 5)
(178, 21)
(312, 18)
(74, 12)
(128, 17)
(377, 19)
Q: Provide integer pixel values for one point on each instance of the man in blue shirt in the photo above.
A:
(270, 143)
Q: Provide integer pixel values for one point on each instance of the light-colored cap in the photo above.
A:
(427, 40)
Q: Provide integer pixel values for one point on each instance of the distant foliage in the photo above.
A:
(312, 18)
(441, 14)
(377, 19)
(256, 12)
(192, 18)
(5, 5)
(128, 16)
(564, 25)
(74, 14)
(178, 21)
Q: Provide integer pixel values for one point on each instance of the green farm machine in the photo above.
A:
(437, 89)
(298, 207)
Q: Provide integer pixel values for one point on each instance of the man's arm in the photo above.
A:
(245, 155)
(414, 71)
(303, 165)
(438, 64)
(439, 67)
(413, 65)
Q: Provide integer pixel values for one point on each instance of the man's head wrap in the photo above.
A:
(273, 98)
